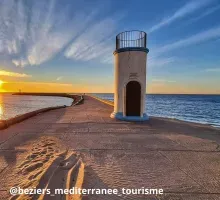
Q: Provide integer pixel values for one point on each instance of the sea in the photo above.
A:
(204, 109)
(14, 105)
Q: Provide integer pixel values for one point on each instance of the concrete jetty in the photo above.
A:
(181, 158)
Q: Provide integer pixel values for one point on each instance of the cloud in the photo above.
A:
(35, 32)
(32, 35)
(158, 62)
(198, 38)
(14, 74)
(59, 78)
(163, 81)
(212, 70)
(96, 42)
(204, 14)
(108, 59)
(20, 63)
(43, 83)
(187, 9)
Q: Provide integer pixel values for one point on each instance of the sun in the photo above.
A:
(1, 82)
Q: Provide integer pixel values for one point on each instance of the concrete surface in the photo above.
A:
(181, 158)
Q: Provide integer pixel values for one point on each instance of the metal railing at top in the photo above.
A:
(131, 39)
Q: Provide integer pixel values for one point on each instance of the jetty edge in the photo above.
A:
(77, 99)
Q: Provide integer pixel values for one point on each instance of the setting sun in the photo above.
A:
(2, 89)
(1, 82)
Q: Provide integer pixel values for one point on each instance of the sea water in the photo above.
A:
(203, 109)
(13, 105)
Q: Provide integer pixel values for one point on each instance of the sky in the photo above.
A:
(68, 45)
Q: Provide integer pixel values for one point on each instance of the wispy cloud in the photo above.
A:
(187, 9)
(108, 59)
(14, 74)
(34, 35)
(43, 83)
(158, 62)
(59, 78)
(163, 81)
(195, 39)
(204, 14)
(212, 70)
(96, 42)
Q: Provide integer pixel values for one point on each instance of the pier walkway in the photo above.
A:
(181, 158)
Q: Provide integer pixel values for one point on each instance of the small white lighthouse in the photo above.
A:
(130, 76)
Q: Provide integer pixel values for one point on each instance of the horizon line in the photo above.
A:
(104, 93)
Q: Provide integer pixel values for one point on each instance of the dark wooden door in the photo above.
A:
(133, 99)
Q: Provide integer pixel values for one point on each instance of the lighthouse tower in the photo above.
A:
(130, 76)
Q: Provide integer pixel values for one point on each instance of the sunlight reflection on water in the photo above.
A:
(13, 105)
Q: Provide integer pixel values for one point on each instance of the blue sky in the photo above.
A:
(71, 42)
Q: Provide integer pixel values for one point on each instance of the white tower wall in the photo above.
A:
(130, 65)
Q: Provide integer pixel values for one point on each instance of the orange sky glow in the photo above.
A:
(47, 87)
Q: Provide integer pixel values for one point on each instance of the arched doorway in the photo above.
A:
(133, 99)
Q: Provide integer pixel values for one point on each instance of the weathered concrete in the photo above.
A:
(182, 158)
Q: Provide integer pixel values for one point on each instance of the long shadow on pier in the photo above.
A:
(182, 158)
